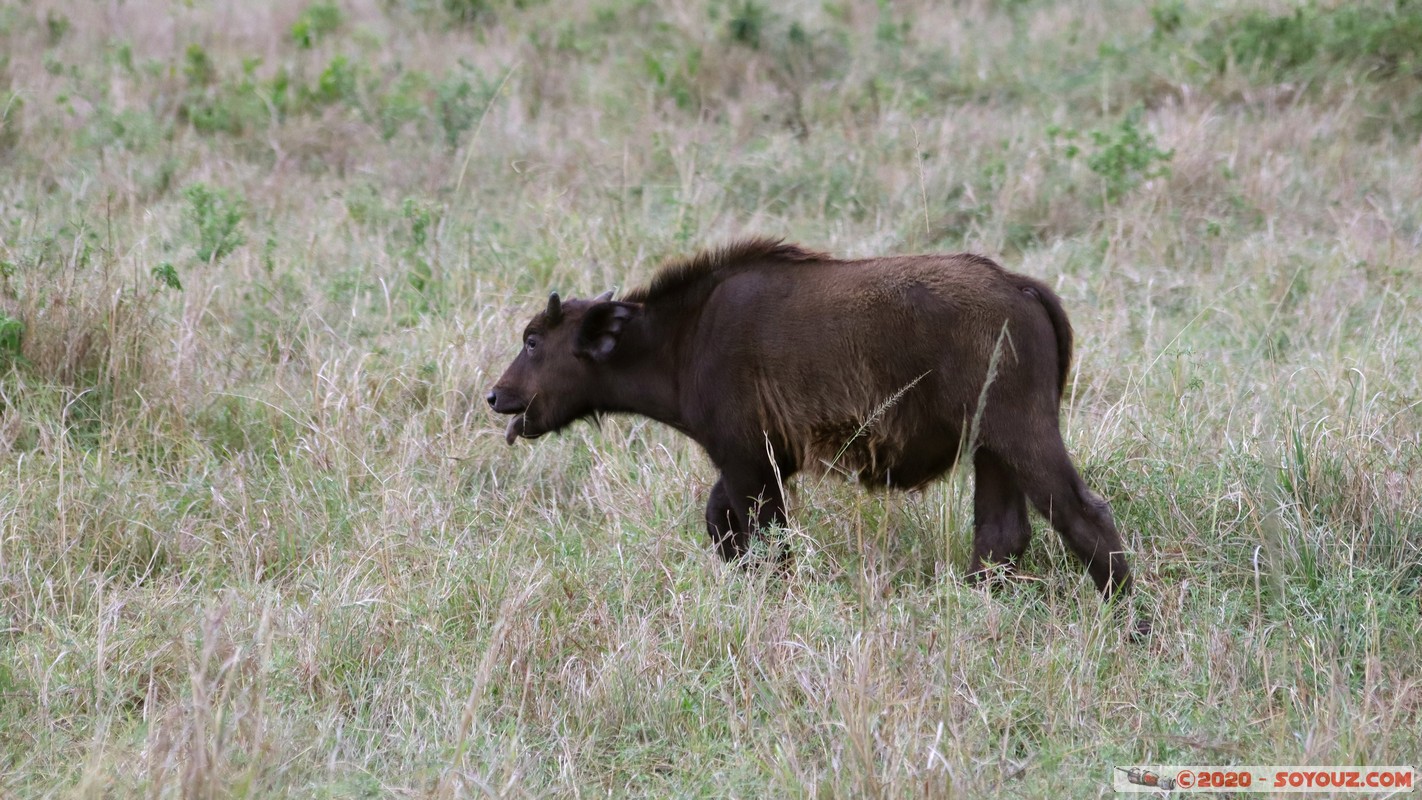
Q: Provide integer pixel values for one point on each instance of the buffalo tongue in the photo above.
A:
(514, 430)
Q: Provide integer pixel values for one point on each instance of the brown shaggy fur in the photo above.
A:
(707, 266)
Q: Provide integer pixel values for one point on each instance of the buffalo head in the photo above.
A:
(555, 378)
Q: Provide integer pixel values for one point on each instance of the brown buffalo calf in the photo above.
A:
(777, 359)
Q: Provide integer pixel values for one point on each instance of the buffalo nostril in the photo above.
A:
(492, 398)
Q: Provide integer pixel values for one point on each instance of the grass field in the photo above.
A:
(259, 536)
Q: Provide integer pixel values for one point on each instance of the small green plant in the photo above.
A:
(422, 219)
(316, 22)
(675, 72)
(12, 335)
(403, 103)
(336, 83)
(217, 217)
(747, 22)
(10, 107)
(887, 30)
(123, 57)
(1168, 16)
(1125, 156)
(459, 104)
(214, 104)
(167, 276)
(197, 67)
(1057, 133)
(363, 203)
(468, 11)
(281, 92)
(269, 248)
(55, 25)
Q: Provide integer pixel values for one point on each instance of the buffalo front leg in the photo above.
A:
(727, 528)
(739, 507)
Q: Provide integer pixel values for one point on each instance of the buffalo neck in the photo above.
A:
(643, 377)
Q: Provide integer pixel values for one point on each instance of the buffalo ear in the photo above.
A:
(602, 326)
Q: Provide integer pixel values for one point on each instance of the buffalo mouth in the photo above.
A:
(518, 428)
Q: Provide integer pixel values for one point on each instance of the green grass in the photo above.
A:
(259, 536)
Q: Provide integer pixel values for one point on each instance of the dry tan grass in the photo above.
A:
(259, 537)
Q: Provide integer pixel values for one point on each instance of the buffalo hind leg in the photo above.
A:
(1080, 515)
(1001, 529)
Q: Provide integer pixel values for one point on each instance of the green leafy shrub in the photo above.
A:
(402, 103)
(12, 335)
(674, 71)
(889, 31)
(134, 129)
(336, 83)
(10, 107)
(217, 216)
(459, 101)
(56, 25)
(747, 22)
(1123, 156)
(460, 12)
(1167, 17)
(1380, 41)
(167, 276)
(198, 68)
(317, 21)
(212, 105)
(422, 218)
(467, 11)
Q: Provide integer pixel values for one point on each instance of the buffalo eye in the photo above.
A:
(531, 343)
